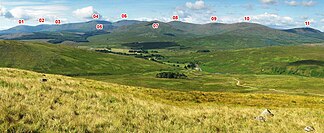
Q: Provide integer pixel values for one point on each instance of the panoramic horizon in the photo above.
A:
(278, 28)
(279, 14)
(188, 66)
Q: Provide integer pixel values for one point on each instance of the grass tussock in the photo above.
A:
(64, 104)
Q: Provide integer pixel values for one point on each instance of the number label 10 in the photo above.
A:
(247, 18)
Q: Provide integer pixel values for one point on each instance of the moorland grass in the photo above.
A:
(64, 104)
(276, 60)
(66, 60)
(203, 81)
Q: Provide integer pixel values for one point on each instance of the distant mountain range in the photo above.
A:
(71, 27)
(126, 31)
(209, 28)
(307, 32)
(206, 36)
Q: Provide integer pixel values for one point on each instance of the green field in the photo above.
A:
(221, 69)
(248, 83)
(257, 60)
(279, 69)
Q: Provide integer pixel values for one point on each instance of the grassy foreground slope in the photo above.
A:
(65, 104)
(59, 59)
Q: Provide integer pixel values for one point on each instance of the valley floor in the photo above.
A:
(207, 82)
(65, 104)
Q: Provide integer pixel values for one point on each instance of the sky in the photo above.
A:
(282, 14)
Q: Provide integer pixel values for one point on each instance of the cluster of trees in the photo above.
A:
(152, 57)
(171, 75)
(203, 51)
(307, 62)
(139, 51)
(56, 38)
(109, 51)
(169, 34)
(176, 65)
(154, 51)
(150, 45)
(191, 65)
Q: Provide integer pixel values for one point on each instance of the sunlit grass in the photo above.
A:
(64, 104)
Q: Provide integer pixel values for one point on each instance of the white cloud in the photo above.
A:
(200, 4)
(5, 13)
(162, 19)
(304, 3)
(274, 20)
(304, 17)
(311, 20)
(33, 13)
(248, 6)
(230, 19)
(20, 13)
(320, 14)
(21, 3)
(3, 10)
(85, 13)
(196, 12)
(269, 19)
(193, 16)
(141, 19)
(322, 20)
(268, 1)
(292, 3)
(308, 3)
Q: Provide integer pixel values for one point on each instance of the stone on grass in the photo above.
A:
(44, 80)
(309, 128)
(260, 118)
(267, 112)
